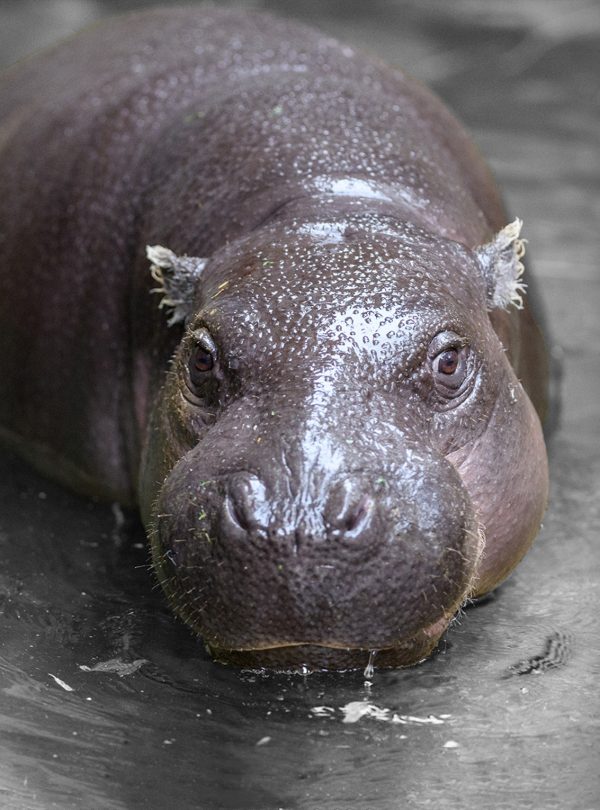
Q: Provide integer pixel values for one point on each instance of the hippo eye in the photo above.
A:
(449, 359)
(202, 360)
(450, 368)
(446, 362)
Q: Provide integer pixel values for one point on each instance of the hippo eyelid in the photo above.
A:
(201, 336)
(445, 341)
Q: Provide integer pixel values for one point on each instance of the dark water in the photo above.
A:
(107, 702)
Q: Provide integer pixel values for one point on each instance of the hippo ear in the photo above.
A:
(177, 277)
(502, 268)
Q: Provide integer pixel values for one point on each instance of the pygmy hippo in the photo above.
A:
(330, 422)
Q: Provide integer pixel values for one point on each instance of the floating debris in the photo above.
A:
(61, 683)
(122, 668)
(322, 711)
(355, 710)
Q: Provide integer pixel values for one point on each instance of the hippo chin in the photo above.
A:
(331, 428)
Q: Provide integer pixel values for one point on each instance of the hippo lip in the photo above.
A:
(304, 658)
(433, 631)
(314, 656)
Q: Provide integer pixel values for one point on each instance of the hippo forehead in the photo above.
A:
(329, 293)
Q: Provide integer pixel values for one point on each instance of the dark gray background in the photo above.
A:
(462, 730)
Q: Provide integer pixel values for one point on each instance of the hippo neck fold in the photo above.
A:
(329, 206)
(378, 204)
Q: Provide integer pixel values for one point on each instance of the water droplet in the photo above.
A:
(370, 669)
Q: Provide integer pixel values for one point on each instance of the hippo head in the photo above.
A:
(341, 453)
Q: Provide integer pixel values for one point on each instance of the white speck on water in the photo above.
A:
(61, 683)
(323, 711)
(451, 744)
(356, 709)
(431, 718)
(405, 719)
(263, 741)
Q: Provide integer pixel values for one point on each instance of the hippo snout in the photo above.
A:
(343, 559)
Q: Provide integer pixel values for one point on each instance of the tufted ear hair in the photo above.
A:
(176, 277)
(500, 261)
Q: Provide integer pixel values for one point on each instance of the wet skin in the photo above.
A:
(333, 445)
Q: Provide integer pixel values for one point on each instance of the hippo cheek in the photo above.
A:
(371, 567)
(506, 474)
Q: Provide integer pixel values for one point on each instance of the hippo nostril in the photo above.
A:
(348, 509)
(245, 502)
(236, 513)
(359, 515)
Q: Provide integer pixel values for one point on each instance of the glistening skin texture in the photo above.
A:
(330, 425)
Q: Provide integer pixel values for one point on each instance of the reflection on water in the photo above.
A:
(108, 702)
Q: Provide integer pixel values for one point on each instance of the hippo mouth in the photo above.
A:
(305, 658)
